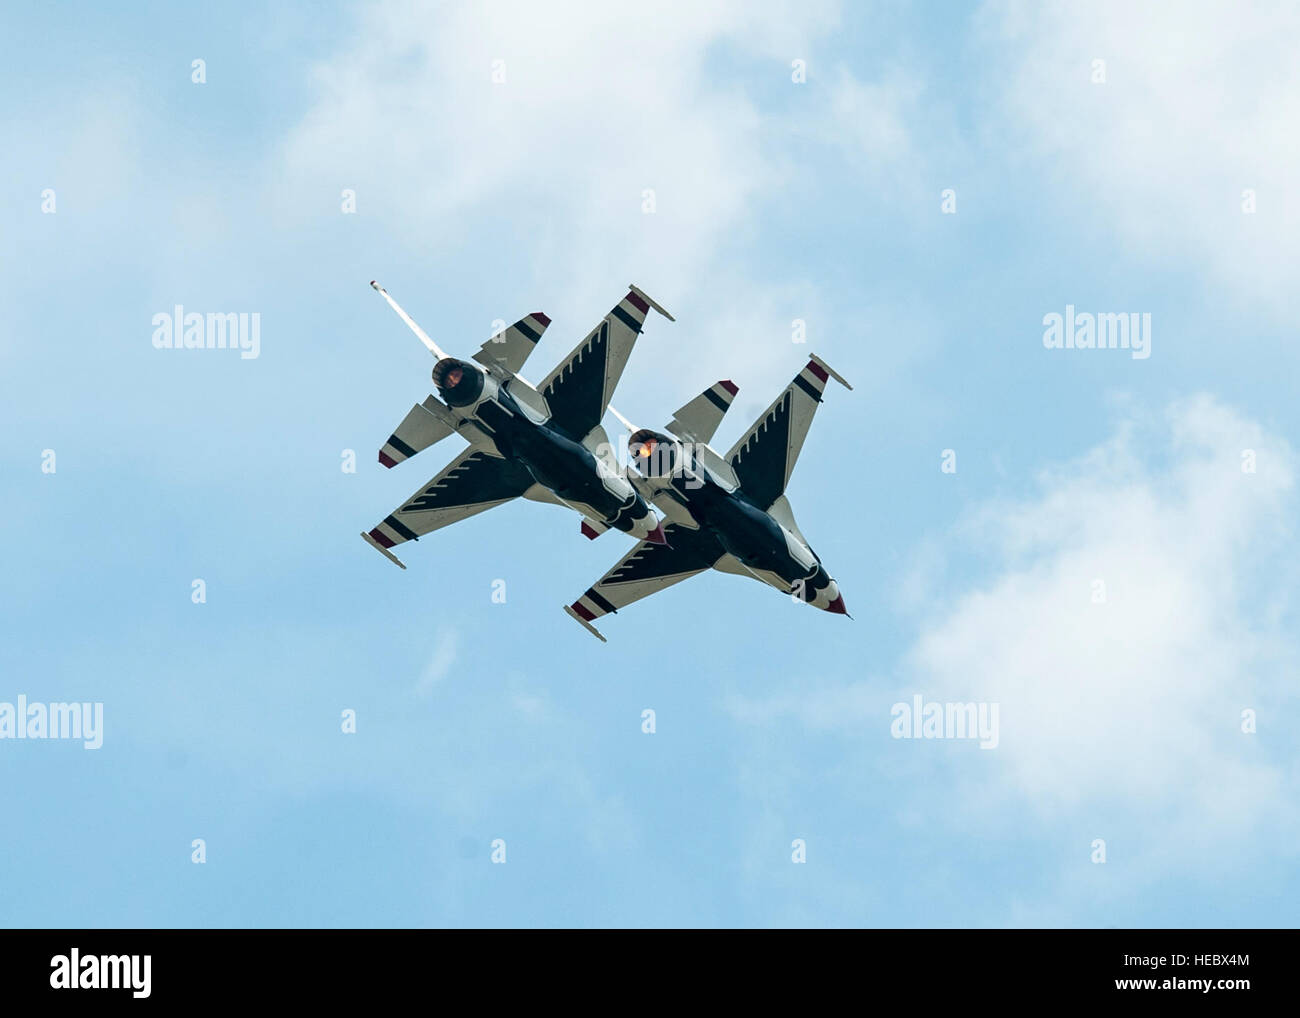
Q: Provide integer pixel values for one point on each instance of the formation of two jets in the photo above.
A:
(546, 443)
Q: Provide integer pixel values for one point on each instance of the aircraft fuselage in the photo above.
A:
(771, 552)
(563, 465)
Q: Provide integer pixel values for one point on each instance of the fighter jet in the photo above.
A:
(545, 443)
(728, 513)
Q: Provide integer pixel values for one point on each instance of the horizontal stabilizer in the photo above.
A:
(419, 430)
(511, 347)
(699, 419)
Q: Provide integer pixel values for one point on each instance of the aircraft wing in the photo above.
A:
(511, 347)
(580, 388)
(647, 569)
(471, 483)
(764, 457)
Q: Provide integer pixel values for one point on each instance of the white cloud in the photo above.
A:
(1199, 104)
(828, 708)
(640, 97)
(1127, 710)
(1136, 699)
(585, 120)
(445, 649)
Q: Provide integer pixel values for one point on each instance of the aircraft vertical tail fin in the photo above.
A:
(764, 458)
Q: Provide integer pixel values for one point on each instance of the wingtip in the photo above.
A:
(831, 371)
(568, 608)
(651, 301)
(382, 550)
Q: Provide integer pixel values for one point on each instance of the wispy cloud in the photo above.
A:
(445, 648)
(1124, 631)
(1198, 106)
(1127, 613)
(617, 150)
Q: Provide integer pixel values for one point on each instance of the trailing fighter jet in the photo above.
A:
(546, 443)
(728, 512)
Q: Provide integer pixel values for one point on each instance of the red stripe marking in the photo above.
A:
(637, 302)
(386, 460)
(382, 538)
(816, 370)
(729, 385)
(541, 318)
(584, 612)
(589, 531)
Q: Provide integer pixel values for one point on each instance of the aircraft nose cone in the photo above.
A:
(656, 536)
(836, 607)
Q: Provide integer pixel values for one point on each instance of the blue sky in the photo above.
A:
(774, 201)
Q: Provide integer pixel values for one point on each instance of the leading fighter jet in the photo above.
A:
(727, 513)
(544, 443)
